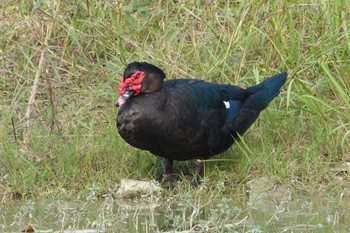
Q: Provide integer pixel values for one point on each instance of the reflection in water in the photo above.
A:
(188, 212)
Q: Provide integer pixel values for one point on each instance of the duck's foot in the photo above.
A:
(198, 173)
(169, 177)
(169, 180)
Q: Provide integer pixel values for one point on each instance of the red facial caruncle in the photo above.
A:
(132, 84)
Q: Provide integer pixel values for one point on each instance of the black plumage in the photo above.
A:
(187, 119)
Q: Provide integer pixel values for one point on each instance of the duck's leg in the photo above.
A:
(167, 167)
(169, 177)
(198, 172)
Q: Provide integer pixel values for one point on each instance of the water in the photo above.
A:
(188, 212)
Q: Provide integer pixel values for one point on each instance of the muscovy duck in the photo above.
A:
(185, 119)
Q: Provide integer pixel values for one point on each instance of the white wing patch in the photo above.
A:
(227, 104)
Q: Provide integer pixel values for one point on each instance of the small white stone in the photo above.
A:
(227, 104)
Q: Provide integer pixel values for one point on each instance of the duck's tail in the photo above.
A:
(265, 92)
(260, 97)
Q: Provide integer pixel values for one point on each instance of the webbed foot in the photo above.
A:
(169, 177)
(198, 173)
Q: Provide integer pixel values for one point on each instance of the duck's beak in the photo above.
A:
(122, 99)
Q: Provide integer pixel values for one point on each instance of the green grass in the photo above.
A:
(74, 144)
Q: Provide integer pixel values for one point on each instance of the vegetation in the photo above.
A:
(77, 50)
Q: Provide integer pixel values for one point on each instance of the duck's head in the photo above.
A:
(139, 77)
